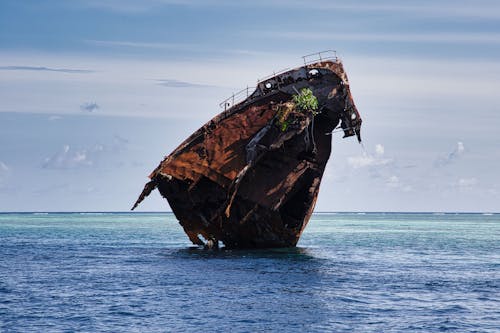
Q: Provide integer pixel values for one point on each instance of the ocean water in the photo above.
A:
(119, 272)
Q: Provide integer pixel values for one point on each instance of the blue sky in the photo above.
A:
(95, 93)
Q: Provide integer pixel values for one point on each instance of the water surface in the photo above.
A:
(374, 272)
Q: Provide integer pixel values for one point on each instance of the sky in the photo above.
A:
(94, 93)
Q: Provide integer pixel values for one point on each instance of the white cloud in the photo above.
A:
(379, 149)
(395, 183)
(70, 158)
(360, 161)
(466, 182)
(369, 160)
(407, 188)
(455, 154)
(66, 158)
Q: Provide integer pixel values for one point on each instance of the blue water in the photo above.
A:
(350, 273)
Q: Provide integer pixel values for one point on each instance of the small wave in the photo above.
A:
(41, 213)
(487, 214)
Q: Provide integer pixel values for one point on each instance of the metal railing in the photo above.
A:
(308, 59)
(281, 71)
(320, 56)
(236, 98)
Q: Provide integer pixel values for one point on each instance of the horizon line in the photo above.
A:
(316, 212)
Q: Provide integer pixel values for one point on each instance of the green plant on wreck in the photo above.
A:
(282, 115)
(306, 101)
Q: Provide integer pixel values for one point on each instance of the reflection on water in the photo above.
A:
(291, 253)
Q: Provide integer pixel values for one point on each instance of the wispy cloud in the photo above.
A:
(4, 173)
(128, 6)
(118, 144)
(3, 168)
(207, 51)
(433, 37)
(181, 84)
(45, 69)
(135, 44)
(460, 9)
(481, 9)
(89, 106)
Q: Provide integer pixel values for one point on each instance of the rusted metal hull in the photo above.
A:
(246, 182)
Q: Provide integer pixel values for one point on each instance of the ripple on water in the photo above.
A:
(361, 273)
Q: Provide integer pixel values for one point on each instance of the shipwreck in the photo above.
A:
(250, 177)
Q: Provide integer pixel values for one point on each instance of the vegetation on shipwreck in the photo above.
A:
(304, 102)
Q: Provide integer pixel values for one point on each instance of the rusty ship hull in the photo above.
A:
(248, 182)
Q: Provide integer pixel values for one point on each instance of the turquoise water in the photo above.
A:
(119, 272)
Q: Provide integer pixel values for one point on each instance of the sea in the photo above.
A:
(351, 272)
